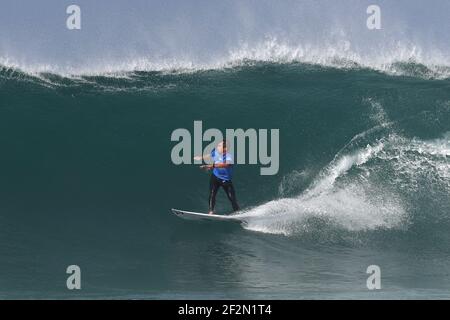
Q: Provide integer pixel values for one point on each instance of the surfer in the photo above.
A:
(222, 173)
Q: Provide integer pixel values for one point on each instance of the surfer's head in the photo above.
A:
(222, 146)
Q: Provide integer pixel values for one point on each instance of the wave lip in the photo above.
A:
(403, 60)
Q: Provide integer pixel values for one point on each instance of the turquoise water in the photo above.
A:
(86, 178)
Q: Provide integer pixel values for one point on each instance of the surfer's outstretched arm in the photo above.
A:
(217, 165)
(204, 157)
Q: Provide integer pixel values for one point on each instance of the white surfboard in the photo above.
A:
(203, 216)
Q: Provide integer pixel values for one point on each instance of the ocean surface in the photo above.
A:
(86, 179)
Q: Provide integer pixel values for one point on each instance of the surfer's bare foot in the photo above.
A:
(211, 212)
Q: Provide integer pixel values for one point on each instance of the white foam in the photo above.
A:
(340, 165)
(348, 208)
(353, 207)
(337, 54)
(416, 157)
(356, 203)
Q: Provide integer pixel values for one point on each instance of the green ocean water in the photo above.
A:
(86, 178)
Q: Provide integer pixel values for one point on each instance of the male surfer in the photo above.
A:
(222, 172)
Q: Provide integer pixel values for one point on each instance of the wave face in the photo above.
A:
(86, 178)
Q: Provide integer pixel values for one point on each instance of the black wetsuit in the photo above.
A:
(214, 185)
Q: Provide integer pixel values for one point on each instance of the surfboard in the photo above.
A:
(188, 215)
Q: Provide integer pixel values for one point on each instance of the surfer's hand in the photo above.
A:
(206, 167)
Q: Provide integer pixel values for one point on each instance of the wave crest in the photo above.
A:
(403, 60)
